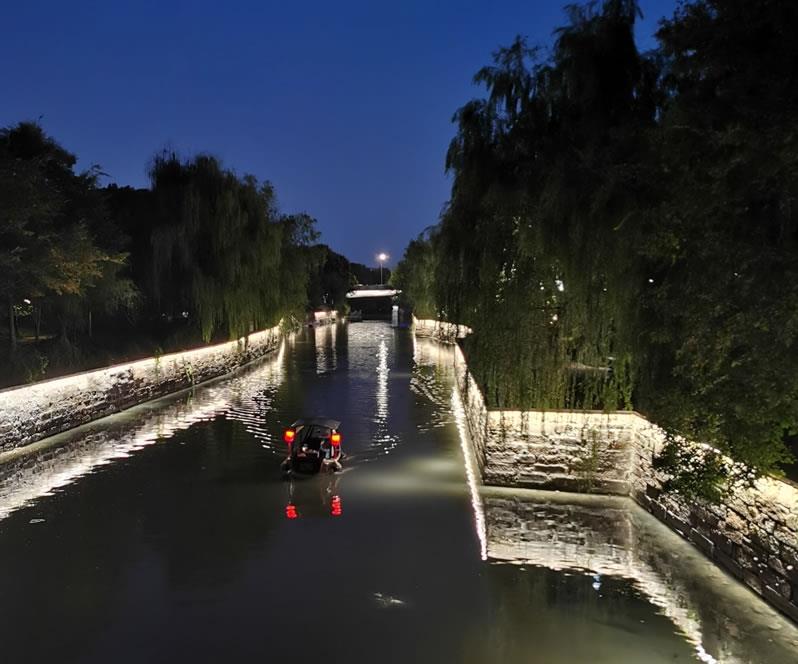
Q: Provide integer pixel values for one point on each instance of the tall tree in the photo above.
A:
(47, 248)
(223, 256)
(621, 230)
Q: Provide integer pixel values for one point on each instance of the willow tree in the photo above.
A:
(415, 275)
(621, 228)
(529, 242)
(223, 256)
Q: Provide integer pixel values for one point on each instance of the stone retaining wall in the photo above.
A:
(571, 451)
(33, 412)
(753, 534)
(443, 332)
(611, 536)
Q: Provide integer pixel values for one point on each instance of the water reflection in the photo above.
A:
(247, 398)
(371, 350)
(324, 337)
(472, 476)
(431, 381)
(429, 565)
(608, 538)
(313, 497)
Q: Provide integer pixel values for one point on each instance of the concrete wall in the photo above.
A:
(33, 412)
(753, 534)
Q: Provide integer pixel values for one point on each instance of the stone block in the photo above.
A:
(550, 468)
(728, 563)
(778, 583)
(533, 478)
(775, 563)
(677, 523)
(722, 542)
(659, 511)
(703, 543)
(753, 581)
(786, 606)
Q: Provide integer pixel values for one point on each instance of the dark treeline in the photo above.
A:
(91, 275)
(622, 225)
(369, 276)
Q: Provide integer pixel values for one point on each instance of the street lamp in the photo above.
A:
(381, 258)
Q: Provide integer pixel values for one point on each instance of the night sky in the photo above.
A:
(345, 106)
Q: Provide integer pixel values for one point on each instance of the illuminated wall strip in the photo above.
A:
(471, 475)
(30, 413)
(122, 435)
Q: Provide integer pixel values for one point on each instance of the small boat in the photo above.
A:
(314, 444)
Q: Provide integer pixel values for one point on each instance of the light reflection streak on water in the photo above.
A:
(382, 438)
(471, 475)
(118, 437)
(324, 337)
(382, 382)
(256, 398)
(430, 379)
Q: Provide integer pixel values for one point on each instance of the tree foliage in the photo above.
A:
(90, 272)
(222, 253)
(54, 233)
(621, 230)
(414, 276)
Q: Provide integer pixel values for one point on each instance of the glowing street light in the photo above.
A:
(382, 258)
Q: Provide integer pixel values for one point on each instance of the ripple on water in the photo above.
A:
(430, 380)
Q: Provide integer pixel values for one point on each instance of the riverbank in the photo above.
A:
(33, 412)
(753, 534)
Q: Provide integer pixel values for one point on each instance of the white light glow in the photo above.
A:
(382, 381)
(382, 292)
(471, 474)
(26, 405)
(324, 338)
(79, 452)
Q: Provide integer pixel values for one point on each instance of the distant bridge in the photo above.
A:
(360, 292)
(375, 301)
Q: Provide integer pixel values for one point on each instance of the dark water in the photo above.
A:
(161, 535)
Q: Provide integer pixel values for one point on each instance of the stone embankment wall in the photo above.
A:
(445, 332)
(584, 452)
(610, 536)
(753, 534)
(33, 412)
(565, 450)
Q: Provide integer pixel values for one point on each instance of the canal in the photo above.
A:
(162, 534)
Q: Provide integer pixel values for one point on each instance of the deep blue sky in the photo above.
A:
(345, 106)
